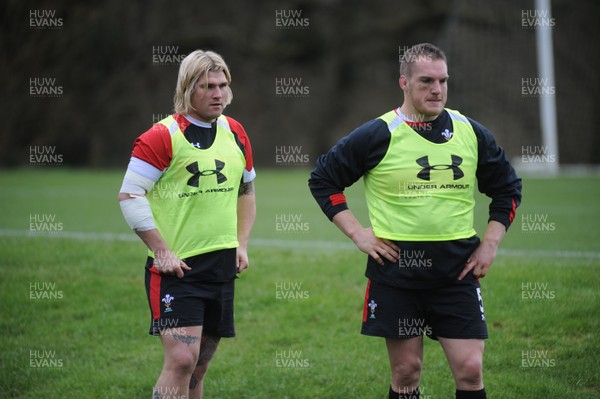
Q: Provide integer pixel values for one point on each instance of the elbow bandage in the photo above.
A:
(137, 213)
(136, 209)
(134, 183)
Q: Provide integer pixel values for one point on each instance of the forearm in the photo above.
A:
(153, 240)
(246, 214)
(494, 233)
(364, 238)
(347, 223)
(151, 237)
(165, 261)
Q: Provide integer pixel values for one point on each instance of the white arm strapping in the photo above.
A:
(134, 183)
(136, 210)
(137, 213)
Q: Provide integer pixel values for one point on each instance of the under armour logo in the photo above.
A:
(425, 173)
(195, 179)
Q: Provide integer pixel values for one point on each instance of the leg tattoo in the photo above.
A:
(194, 382)
(186, 339)
(208, 347)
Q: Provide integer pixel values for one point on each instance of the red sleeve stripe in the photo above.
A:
(337, 199)
(239, 130)
(511, 216)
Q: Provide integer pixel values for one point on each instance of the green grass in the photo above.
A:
(97, 328)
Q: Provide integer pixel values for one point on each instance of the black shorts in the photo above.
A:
(451, 311)
(189, 301)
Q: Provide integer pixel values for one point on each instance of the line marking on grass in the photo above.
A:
(75, 235)
(290, 244)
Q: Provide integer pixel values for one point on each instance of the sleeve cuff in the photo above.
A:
(334, 210)
(500, 218)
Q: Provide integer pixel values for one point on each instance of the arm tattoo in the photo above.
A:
(246, 189)
(186, 339)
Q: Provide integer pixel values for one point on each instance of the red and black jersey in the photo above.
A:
(425, 264)
(366, 146)
(154, 146)
(151, 157)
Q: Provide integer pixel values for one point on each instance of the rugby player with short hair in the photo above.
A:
(421, 163)
(188, 193)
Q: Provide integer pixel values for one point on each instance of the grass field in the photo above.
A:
(75, 317)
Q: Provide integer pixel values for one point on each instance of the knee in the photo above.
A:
(470, 372)
(182, 362)
(407, 372)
